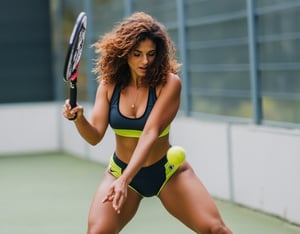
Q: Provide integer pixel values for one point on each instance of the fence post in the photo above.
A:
(183, 56)
(253, 63)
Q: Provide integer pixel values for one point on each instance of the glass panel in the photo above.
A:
(219, 55)
(220, 80)
(285, 51)
(279, 43)
(196, 8)
(283, 82)
(281, 110)
(226, 106)
(165, 11)
(266, 3)
(279, 22)
(218, 31)
(223, 93)
(106, 14)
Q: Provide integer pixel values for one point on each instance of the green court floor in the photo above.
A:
(51, 194)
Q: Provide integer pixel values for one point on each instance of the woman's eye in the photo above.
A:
(152, 53)
(138, 54)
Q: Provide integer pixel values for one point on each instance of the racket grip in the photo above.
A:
(73, 98)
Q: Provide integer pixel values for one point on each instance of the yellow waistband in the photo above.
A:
(137, 133)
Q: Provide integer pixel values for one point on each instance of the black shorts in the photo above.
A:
(149, 181)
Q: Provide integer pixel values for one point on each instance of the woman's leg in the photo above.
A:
(185, 197)
(103, 218)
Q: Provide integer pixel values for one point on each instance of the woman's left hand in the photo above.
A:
(117, 194)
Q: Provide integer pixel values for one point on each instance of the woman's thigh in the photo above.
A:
(185, 197)
(103, 218)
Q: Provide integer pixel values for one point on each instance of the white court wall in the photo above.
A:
(267, 169)
(255, 166)
(29, 127)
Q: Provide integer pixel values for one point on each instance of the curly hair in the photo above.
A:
(113, 49)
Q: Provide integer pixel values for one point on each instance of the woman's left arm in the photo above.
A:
(162, 114)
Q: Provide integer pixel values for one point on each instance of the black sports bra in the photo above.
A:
(130, 127)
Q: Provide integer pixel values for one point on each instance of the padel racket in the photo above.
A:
(73, 56)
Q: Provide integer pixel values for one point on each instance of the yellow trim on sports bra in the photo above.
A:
(137, 133)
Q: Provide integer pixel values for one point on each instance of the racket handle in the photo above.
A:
(73, 97)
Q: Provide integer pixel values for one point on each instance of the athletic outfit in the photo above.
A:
(150, 180)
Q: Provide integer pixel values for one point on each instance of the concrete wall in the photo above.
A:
(255, 166)
(251, 165)
(29, 127)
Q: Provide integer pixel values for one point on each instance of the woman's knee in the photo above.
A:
(213, 227)
(101, 229)
(102, 224)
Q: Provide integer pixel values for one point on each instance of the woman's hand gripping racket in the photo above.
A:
(73, 57)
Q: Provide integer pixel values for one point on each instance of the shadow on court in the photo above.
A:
(51, 194)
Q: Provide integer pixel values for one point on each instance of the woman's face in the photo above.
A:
(141, 57)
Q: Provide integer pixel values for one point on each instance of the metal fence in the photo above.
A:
(240, 57)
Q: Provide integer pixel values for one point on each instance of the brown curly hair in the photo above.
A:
(113, 48)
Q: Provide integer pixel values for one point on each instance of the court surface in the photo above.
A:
(51, 193)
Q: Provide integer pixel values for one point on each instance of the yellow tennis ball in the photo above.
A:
(176, 155)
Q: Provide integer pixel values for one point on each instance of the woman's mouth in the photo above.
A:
(143, 69)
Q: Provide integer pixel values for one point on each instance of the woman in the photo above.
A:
(138, 96)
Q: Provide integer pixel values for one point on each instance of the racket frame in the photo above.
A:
(73, 55)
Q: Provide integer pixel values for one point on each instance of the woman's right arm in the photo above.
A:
(94, 130)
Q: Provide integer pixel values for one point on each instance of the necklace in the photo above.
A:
(136, 96)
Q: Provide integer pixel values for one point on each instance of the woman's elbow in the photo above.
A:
(151, 133)
(93, 143)
(95, 140)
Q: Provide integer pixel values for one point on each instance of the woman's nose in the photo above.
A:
(145, 59)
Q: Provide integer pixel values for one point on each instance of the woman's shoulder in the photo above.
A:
(172, 77)
(107, 88)
(173, 83)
